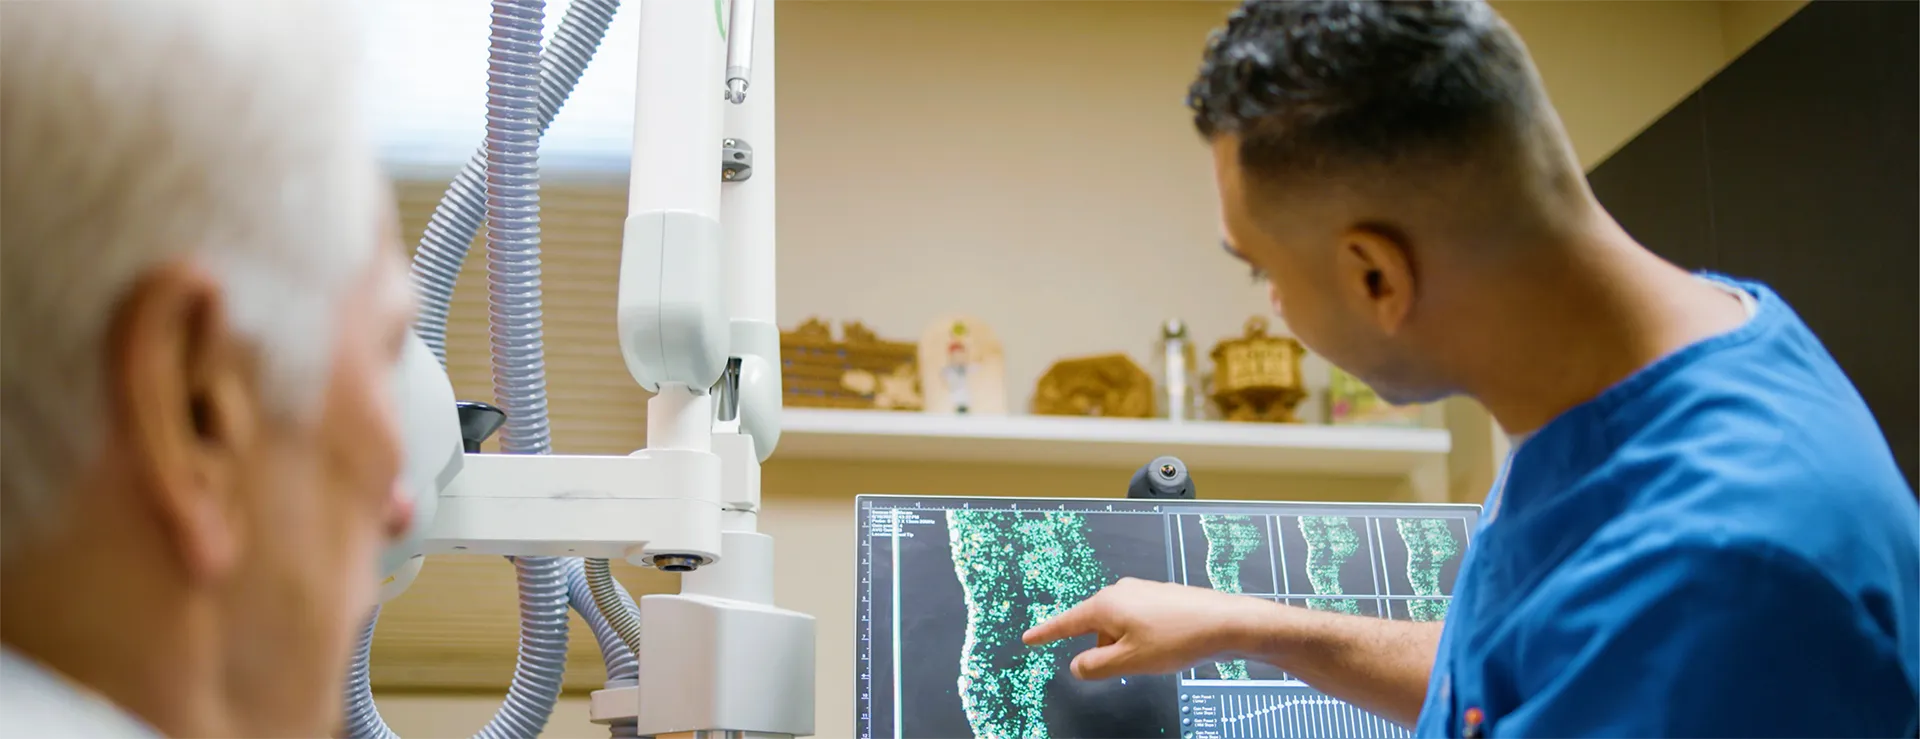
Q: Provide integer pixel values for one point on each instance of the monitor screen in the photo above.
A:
(946, 585)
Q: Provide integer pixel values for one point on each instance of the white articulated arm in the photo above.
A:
(672, 315)
(660, 506)
(696, 326)
(747, 213)
(720, 656)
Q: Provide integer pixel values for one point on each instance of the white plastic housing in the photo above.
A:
(430, 433)
(672, 313)
(761, 401)
(739, 479)
(713, 662)
(680, 417)
(653, 502)
(673, 329)
(749, 580)
(401, 579)
(677, 110)
(747, 213)
(747, 207)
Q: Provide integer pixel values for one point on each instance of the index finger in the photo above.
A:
(1076, 621)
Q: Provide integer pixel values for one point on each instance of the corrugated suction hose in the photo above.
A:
(455, 221)
(614, 603)
(363, 718)
(500, 185)
(623, 668)
(621, 662)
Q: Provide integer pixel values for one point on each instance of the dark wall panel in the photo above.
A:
(1799, 165)
(1659, 188)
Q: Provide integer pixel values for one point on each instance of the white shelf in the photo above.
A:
(1203, 445)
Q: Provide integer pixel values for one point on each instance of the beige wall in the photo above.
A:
(1613, 67)
(1030, 147)
(1048, 181)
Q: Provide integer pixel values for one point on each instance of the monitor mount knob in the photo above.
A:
(1164, 477)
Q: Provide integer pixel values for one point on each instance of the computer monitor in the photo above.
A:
(946, 585)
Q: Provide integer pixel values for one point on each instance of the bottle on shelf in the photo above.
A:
(1179, 396)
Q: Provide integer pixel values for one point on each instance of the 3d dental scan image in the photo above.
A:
(948, 585)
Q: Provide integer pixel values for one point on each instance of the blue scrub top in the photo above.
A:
(1721, 545)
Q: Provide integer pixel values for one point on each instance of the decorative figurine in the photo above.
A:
(1109, 385)
(898, 391)
(955, 371)
(1351, 402)
(1257, 377)
(962, 370)
(820, 372)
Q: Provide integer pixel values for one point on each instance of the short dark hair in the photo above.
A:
(1309, 85)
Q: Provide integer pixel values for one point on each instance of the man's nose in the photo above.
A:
(399, 511)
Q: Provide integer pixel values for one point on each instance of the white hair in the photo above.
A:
(226, 135)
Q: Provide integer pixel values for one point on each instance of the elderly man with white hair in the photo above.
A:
(203, 311)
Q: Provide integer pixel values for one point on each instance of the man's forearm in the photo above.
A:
(1379, 665)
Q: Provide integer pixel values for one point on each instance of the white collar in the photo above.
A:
(38, 703)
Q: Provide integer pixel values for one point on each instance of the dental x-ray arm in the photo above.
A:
(696, 327)
(720, 655)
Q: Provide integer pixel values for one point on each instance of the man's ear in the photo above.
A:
(181, 401)
(1376, 272)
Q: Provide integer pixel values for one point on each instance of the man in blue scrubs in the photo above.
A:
(1701, 531)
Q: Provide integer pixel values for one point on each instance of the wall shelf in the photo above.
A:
(809, 433)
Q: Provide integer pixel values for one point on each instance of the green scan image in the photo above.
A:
(1430, 545)
(1016, 570)
(1331, 541)
(1229, 540)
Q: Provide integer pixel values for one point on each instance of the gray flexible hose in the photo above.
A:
(623, 668)
(621, 662)
(621, 616)
(363, 719)
(516, 120)
(519, 367)
(443, 248)
(541, 669)
(513, 227)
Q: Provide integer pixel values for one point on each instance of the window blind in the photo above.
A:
(594, 404)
